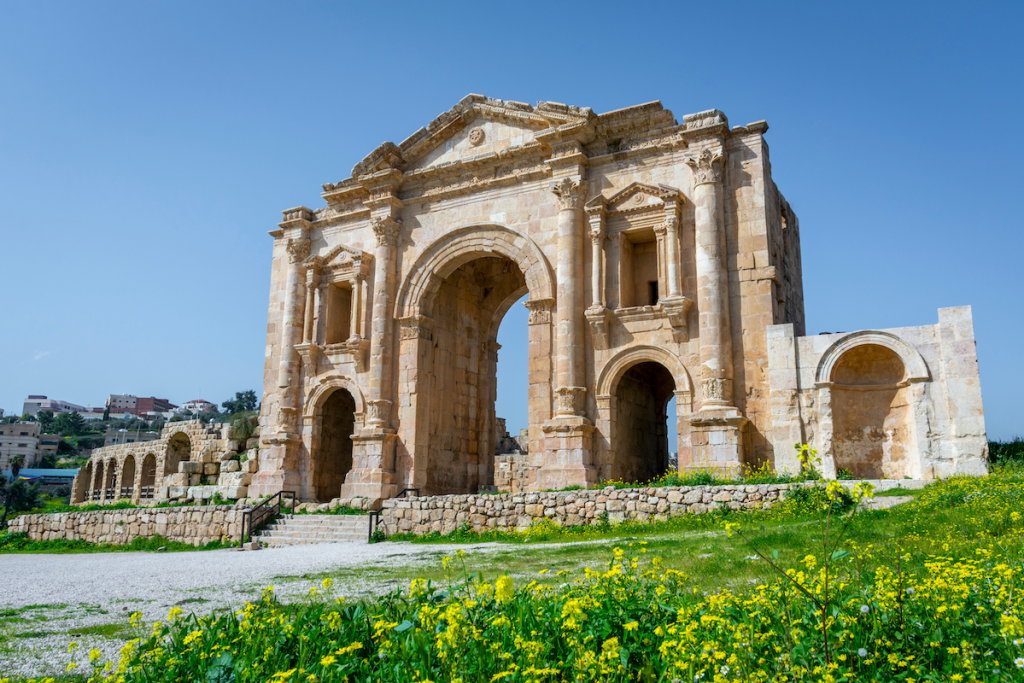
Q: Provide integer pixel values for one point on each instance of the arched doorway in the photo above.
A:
(179, 449)
(148, 479)
(640, 440)
(128, 477)
(332, 459)
(871, 413)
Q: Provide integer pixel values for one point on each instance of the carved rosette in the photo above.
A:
(570, 193)
(707, 167)
(386, 230)
(298, 250)
(540, 311)
(378, 413)
(570, 400)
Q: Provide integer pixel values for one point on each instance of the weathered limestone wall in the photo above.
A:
(198, 525)
(443, 514)
(888, 403)
(512, 472)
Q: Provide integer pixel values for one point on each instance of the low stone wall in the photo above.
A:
(570, 508)
(444, 514)
(196, 525)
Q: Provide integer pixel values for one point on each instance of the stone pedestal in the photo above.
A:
(567, 454)
(278, 471)
(716, 441)
(373, 466)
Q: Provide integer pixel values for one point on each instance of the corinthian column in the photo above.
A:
(381, 342)
(712, 280)
(291, 331)
(569, 316)
(723, 452)
(312, 280)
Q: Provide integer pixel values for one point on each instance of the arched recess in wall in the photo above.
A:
(83, 483)
(868, 375)
(450, 307)
(127, 477)
(633, 391)
(110, 479)
(179, 449)
(147, 480)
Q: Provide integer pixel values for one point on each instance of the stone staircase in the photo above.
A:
(304, 529)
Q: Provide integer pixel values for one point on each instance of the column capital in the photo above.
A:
(378, 413)
(707, 167)
(386, 230)
(298, 250)
(570, 400)
(540, 310)
(570, 192)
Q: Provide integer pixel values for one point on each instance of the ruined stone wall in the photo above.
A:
(922, 418)
(195, 525)
(443, 514)
(512, 472)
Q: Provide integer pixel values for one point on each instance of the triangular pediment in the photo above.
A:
(636, 197)
(341, 255)
(476, 127)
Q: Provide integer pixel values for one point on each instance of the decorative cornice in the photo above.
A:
(570, 193)
(707, 167)
(386, 230)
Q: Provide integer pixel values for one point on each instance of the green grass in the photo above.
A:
(19, 543)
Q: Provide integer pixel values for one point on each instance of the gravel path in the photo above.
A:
(46, 599)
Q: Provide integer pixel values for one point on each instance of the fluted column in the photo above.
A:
(712, 280)
(381, 342)
(569, 377)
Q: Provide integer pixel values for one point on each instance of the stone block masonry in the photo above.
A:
(195, 525)
(517, 511)
(443, 514)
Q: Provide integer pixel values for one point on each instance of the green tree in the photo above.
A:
(69, 424)
(244, 401)
(45, 418)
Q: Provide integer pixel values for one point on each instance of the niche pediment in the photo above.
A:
(637, 197)
(341, 263)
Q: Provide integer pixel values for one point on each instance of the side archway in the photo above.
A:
(634, 390)
(327, 386)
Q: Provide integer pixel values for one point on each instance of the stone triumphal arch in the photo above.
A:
(659, 261)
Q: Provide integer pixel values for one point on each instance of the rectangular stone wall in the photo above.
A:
(443, 514)
(195, 525)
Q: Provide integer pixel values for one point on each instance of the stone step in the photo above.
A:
(305, 529)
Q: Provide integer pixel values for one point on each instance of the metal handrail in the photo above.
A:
(375, 514)
(257, 516)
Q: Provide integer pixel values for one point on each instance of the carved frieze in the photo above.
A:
(417, 327)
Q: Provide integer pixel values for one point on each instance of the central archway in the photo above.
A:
(451, 305)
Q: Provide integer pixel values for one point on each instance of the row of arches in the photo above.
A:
(129, 477)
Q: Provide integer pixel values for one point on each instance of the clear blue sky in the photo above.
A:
(147, 148)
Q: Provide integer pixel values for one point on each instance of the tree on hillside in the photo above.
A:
(16, 463)
(69, 424)
(243, 401)
(45, 418)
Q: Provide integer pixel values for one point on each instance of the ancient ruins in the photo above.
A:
(659, 260)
